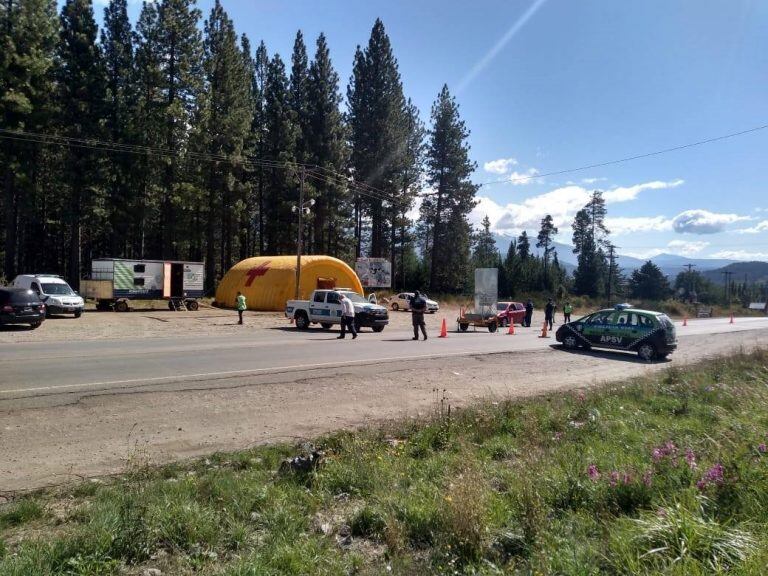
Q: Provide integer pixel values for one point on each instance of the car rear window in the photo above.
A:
(23, 297)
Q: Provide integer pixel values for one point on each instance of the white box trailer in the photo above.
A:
(115, 281)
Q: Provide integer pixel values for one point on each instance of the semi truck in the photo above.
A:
(114, 282)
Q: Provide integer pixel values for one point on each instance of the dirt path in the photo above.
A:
(100, 434)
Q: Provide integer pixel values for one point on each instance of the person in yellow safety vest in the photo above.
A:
(241, 306)
(567, 309)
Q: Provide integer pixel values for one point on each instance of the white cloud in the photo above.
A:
(740, 255)
(679, 247)
(500, 166)
(627, 193)
(627, 225)
(703, 222)
(684, 248)
(563, 203)
(522, 178)
(592, 180)
(760, 227)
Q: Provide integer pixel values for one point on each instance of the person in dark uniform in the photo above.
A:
(528, 313)
(418, 307)
(549, 313)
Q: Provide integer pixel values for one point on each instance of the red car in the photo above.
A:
(510, 310)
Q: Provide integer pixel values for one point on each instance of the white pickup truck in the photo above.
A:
(324, 308)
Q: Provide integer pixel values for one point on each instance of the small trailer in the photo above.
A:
(115, 281)
(486, 317)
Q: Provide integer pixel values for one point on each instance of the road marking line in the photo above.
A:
(253, 371)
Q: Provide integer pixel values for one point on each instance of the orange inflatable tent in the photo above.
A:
(268, 282)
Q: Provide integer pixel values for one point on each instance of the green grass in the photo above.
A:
(667, 474)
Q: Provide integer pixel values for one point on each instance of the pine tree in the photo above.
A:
(649, 283)
(545, 240)
(411, 175)
(590, 236)
(228, 117)
(179, 56)
(485, 254)
(325, 142)
(280, 146)
(257, 141)
(120, 109)
(298, 88)
(523, 246)
(448, 172)
(81, 84)
(511, 269)
(376, 118)
(28, 37)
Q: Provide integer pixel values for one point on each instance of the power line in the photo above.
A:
(628, 158)
(250, 161)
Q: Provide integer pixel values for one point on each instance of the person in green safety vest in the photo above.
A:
(241, 306)
(567, 309)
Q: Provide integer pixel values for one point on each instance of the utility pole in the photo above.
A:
(727, 275)
(690, 278)
(611, 263)
(303, 209)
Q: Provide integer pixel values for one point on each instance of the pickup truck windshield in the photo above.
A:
(355, 297)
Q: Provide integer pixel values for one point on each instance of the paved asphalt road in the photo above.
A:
(44, 369)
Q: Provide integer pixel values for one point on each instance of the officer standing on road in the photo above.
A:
(347, 317)
(567, 309)
(549, 313)
(418, 307)
(241, 306)
(528, 313)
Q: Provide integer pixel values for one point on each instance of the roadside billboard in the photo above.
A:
(374, 272)
(486, 287)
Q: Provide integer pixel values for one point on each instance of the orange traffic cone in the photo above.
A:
(511, 331)
(544, 330)
(444, 330)
(685, 320)
(731, 322)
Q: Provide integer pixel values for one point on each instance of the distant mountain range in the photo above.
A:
(754, 272)
(670, 264)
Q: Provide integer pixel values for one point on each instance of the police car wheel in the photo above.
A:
(570, 342)
(646, 352)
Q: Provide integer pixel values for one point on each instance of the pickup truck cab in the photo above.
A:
(324, 308)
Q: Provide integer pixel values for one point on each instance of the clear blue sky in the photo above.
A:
(558, 84)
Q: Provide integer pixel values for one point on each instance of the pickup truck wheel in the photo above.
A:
(395, 306)
(463, 327)
(378, 328)
(121, 306)
(302, 322)
(326, 325)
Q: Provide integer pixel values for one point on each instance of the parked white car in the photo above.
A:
(402, 301)
(58, 296)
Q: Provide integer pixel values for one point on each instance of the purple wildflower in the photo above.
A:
(593, 472)
(715, 475)
(657, 454)
(762, 448)
(614, 479)
(648, 478)
(626, 478)
(690, 457)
